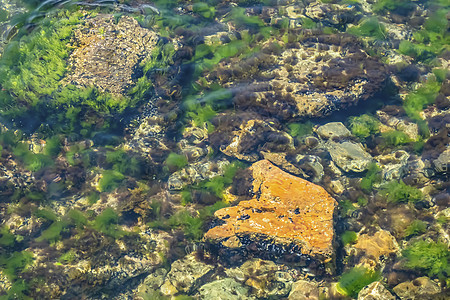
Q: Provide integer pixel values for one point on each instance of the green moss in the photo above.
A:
(110, 180)
(67, 257)
(217, 184)
(33, 162)
(421, 97)
(364, 126)
(124, 162)
(53, 233)
(431, 258)
(204, 10)
(300, 129)
(373, 176)
(176, 161)
(46, 214)
(7, 239)
(15, 263)
(52, 146)
(415, 228)
(349, 237)
(352, 281)
(346, 207)
(369, 27)
(398, 191)
(106, 223)
(77, 218)
(395, 138)
(381, 6)
(18, 290)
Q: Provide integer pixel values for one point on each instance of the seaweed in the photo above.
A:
(33, 162)
(176, 161)
(424, 95)
(397, 191)
(373, 175)
(106, 223)
(431, 258)
(15, 263)
(369, 27)
(110, 180)
(217, 184)
(300, 129)
(364, 126)
(67, 257)
(7, 239)
(349, 237)
(416, 227)
(395, 138)
(53, 233)
(124, 162)
(352, 281)
(52, 146)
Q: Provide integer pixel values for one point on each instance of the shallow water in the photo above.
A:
(132, 130)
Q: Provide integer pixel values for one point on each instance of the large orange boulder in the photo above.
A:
(287, 214)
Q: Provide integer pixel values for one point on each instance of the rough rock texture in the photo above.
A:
(253, 136)
(375, 291)
(266, 279)
(382, 243)
(312, 77)
(185, 275)
(304, 290)
(285, 211)
(224, 289)
(106, 53)
(349, 156)
(332, 130)
(419, 288)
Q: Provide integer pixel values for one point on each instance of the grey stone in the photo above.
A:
(349, 156)
(304, 290)
(333, 129)
(224, 289)
(375, 291)
(186, 275)
(419, 288)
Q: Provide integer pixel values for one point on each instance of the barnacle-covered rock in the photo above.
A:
(107, 52)
(311, 77)
(287, 217)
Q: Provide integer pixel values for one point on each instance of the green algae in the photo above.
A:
(7, 239)
(364, 126)
(352, 281)
(430, 258)
(349, 237)
(395, 138)
(369, 27)
(372, 177)
(300, 129)
(397, 191)
(106, 223)
(176, 161)
(415, 228)
(110, 180)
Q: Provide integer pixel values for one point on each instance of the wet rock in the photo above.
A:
(442, 163)
(396, 219)
(151, 284)
(107, 52)
(349, 156)
(311, 165)
(288, 216)
(279, 159)
(393, 164)
(419, 288)
(381, 244)
(333, 130)
(224, 289)
(196, 172)
(310, 78)
(253, 136)
(304, 290)
(265, 278)
(395, 123)
(186, 275)
(375, 291)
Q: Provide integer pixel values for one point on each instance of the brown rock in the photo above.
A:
(374, 246)
(286, 211)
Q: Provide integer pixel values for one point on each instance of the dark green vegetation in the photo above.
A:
(369, 28)
(430, 258)
(397, 191)
(395, 138)
(352, 281)
(300, 129)
(415, 228)
(349, 237)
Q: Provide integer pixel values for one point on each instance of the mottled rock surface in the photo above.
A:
(332, 130)
(382, 243)
(375, 291)
(224, 289)
(106, 53)
(349, 156)
(304, 290)
(313, 77)
(419, 288)
(285, 210)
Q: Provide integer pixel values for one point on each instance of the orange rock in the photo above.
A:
(286, 210)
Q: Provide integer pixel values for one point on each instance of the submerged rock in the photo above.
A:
(419, 288)
(333, 130)
(224, 289)
(304, 290)
(312, 77)
(381, 244)
(107, 52)
(287, 217)
(375, 291)
(349, 156)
